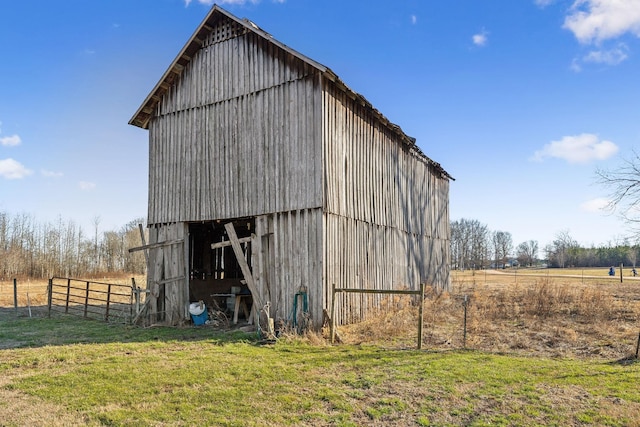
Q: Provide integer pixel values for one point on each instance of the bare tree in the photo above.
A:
(502, 246)
(624, 186)
(562, 249)
(527, 252)
(469, 244)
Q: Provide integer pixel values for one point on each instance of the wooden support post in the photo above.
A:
(50, 296)
(333, 312)
(15, 295)
(421, 316)
(228, 242)
(157, 245)
(86, 300)
(106, 314)
(133, 293)
(620, 272)
(464, 331)
(66, 307)
(144, 243)
(244, 266)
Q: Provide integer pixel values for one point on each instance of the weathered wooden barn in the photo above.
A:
(269, 176)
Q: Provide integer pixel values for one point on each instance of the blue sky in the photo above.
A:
(519, 100)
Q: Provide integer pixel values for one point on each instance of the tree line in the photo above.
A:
(32, 248)
(475, 246)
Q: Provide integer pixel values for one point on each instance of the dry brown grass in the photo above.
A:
(579, 313)
(568, 315)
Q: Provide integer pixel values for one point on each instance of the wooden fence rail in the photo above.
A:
(335, 290)
(104, 301)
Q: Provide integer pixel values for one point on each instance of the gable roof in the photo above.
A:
(144, 113)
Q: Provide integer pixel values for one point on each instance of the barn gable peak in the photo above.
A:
(203, 31)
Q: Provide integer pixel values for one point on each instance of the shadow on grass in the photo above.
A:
(38, 330)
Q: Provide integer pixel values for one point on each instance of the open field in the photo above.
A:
(81, 372)
(543, 348)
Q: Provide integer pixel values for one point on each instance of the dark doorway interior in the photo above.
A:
(215, 276)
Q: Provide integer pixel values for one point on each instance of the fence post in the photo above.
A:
(421, 316)
(464, 333)
(15, 295)
(333, 312)
(620, 272)
(106, 314)
(86, 300)
(66, 307)
(50, 295)
(133, 293)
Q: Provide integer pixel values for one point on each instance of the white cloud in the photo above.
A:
(480, 39)
(609, 57)
(598, 204)
(51, 174)
(10, 141)
(598, 20)
(414, 19)
(11, 169)
(543, 3)
(581, 148)
(575, 65)
(86, 185)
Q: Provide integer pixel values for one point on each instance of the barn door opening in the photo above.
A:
(215, 273)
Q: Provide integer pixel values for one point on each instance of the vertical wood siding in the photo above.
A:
(243, 102)
(166, 276)
(386, 219)
(287, 255)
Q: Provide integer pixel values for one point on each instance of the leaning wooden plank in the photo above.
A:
(228, 242)
(246, 271)
(146, 252)
(157, 245)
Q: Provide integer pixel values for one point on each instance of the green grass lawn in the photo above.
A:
(65, 371)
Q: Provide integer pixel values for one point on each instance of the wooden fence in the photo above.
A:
(109, 302)
(420, 293)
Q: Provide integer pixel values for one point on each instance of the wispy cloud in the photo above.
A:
(543, 3)
(609, 57)
(414, 19)
(51, 174)
(86, 185)
(481, 38)
(581, 148)
(599, 204)
(11, 169)
(10, 141)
